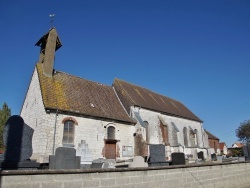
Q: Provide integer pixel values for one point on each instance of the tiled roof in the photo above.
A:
(133, 95)
(211, 136)
(76, 95)
(222, 144)
(238, 144)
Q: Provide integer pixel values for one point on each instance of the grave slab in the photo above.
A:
(64, 158)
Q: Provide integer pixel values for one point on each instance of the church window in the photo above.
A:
(196, 137)
(111, 133)
(192, 138)
(68, 133)
(174, 131)
(164, 131)
(185, 136)
(147, 130)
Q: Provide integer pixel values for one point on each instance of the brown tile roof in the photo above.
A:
(222, 144)
(211, 136)
(76, 95)
(133, 95)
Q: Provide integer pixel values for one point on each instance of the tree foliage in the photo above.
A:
(243, 131)
(5, 113)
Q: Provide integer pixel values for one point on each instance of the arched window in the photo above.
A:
(192, 138)
(164, 132)
(196, 137)
(185, 136)
(111, 133)
(174, 131)
(147, 130)
(215, 147)
(68, 133)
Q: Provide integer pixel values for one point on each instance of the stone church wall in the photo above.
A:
(175, 126)
(91, 131)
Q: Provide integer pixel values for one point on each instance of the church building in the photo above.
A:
(101, 121)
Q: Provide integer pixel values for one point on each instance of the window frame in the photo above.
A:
(69, 136)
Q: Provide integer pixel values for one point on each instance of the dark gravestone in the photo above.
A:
(201, 155)
(246, 151)
(65, 158)
(213, 157)
(178, 159)
(17, 138)
(157, 155)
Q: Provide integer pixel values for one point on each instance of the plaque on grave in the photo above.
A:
(178, 159)
(64, 158)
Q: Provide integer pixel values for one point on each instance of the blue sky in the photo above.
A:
(197, 52)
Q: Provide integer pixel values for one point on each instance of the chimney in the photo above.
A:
(49, 44)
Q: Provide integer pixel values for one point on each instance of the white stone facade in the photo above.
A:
(48, 128)
(175, 126)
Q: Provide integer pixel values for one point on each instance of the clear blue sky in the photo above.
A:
(197, 52)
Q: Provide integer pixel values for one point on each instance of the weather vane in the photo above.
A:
(51, 19)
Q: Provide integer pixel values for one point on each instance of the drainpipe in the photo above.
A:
(54, 139)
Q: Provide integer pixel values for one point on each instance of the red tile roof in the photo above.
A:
(76, 95)
(133, 95)
(222, 144)
(239, 145)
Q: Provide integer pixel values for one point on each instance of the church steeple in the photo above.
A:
(49, 44)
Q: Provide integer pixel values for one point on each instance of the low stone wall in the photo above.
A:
(232, 175)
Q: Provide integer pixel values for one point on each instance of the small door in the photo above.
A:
(110, 150)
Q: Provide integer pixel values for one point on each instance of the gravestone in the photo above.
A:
(213, 157)
(17, 138)
(246, 151)
(157, 155)
(178, 159)
(138, 161)
(219, 158)
(201, 155)
(64, 158)
(84, 152)
(103, 163)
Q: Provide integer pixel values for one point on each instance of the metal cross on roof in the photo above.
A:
(51, 19)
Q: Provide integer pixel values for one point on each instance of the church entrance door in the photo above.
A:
(110, 150)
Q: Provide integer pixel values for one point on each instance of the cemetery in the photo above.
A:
(65, 169)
